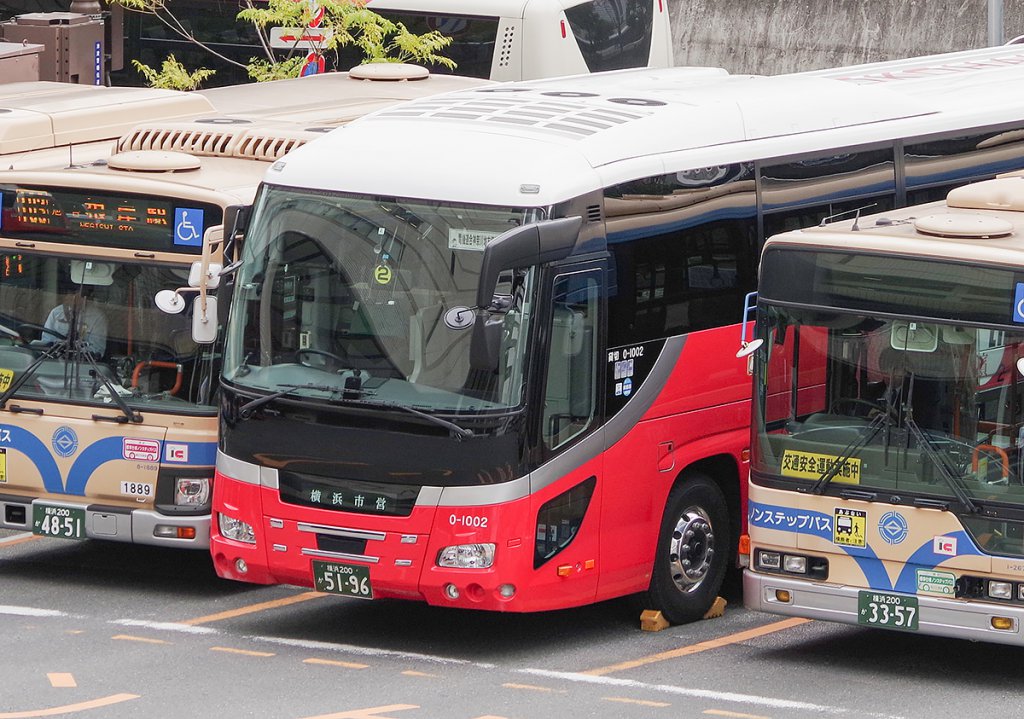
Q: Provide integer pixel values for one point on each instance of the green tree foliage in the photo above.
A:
(172, 75)
(345, 22)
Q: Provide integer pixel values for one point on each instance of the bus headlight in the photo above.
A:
(191, 491)
(236, 529)
(466, 556)
(1000, 590)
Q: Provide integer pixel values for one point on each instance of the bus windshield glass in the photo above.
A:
(344, 297)
(77, 330)
(922, 405)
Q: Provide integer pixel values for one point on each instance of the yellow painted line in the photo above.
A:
(76, 631)
(253, 608)
(130, 638)
(336, 663)
(700, 647)
(61, 680)
(17, 539)
(69, 708)
(733, 715)
(244, 652)
(411, 673)
(533, 688)
(641, 702)
(369, 713)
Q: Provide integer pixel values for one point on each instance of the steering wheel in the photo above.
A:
(22, 326)
(858, 402)
(338, 360)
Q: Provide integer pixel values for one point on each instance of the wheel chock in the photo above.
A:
(651, 620)
(717, 609)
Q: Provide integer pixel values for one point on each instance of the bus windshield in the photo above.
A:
(74, 329)
(372, 298)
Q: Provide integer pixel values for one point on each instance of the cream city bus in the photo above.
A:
(107, 404)
(887, 469)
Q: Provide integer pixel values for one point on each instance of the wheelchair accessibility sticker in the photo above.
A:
(188, 226)
(1018, 304)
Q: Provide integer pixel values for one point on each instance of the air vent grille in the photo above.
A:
(593, 213)
(563, 115)
(266, 147)
(194, 142)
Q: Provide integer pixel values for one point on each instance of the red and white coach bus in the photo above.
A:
(481, 347)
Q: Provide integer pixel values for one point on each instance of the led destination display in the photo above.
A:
(104, 219)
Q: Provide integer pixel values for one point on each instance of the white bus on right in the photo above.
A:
(887, 460)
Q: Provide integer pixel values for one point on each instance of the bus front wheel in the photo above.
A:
(692, 552)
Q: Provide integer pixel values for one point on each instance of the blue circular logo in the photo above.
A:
(627, 386)
(893, 527)
(65, 441)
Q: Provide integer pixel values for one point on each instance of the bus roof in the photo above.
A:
(38, 115)
(227, 154)
(571, 135)
(982, 222)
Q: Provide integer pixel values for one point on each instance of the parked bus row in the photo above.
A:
(480, 347)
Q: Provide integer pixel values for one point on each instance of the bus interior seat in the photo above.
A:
(439, 354)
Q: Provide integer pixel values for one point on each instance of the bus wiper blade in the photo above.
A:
(130, 415)
(246, 409)
(459, 432)
(51, 353)
(868, 433)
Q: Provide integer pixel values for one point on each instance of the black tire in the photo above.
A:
(692, 555)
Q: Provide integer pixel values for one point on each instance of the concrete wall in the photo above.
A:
(774, 36)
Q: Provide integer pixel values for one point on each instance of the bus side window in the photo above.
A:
(570, 400)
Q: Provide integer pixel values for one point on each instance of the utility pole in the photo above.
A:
(995, 22)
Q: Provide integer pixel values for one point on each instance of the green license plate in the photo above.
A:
(351, 580)
(51, 520)
(893, 611)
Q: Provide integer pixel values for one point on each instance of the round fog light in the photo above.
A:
(507, 591)
(241, 566)
(451, 591)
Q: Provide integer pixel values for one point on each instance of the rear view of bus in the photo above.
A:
(517, 40)
(887, 471)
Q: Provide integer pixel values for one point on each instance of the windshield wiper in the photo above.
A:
(868, 432)
(51, 353)
(941, 461)
(246, 409)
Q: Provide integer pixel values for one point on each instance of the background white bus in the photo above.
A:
(497, 39)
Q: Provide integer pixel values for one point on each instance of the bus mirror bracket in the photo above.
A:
(525, 246)
(204, 275)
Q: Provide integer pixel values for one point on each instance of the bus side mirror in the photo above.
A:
(525, 246)
(204, 275)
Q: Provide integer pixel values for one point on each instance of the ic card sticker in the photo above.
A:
(850, 527)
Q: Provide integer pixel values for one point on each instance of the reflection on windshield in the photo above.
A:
(375, 296)
(919, 408)
(80, 330)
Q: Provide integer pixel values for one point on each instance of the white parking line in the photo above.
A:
(30, 611)
(750, 699)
